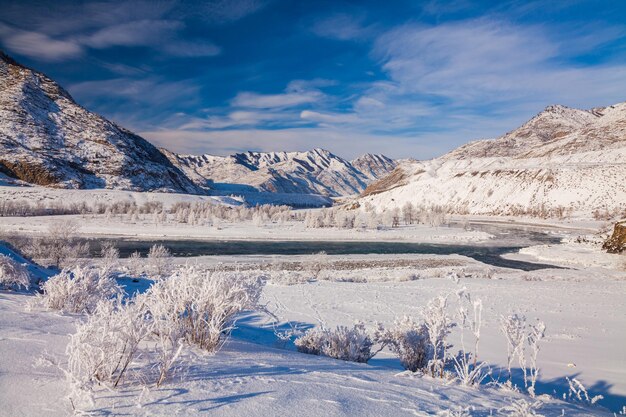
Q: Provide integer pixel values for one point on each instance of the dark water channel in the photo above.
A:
(507, 239)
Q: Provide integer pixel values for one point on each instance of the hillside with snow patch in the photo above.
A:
(46, 138)
(563, 161)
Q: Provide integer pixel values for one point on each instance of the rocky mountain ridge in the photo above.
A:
(312, 172)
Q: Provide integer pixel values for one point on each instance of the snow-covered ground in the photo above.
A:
(244, 378)
(257, 374)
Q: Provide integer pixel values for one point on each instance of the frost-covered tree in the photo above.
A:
(135, 265)
(60, 245)
(159, 261)
(110, 258)
(13, 275)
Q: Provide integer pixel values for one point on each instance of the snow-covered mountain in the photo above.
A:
(314, 172)
(48, 139)
(562, 159)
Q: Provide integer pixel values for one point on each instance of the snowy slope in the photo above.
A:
(314, 172)
(48, 139)
(563, 157)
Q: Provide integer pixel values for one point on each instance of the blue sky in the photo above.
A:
(404, 78)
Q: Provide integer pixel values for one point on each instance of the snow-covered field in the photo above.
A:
(257, 373)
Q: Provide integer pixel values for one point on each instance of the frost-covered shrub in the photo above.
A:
(312, 341)
(159, 261)
(105, 345)
(289, 278)
(578, 392)
(78, 290)
(202, 304)
(198, 307)
(13, 275)
(409, 340)
(348, 344)
(316, 264)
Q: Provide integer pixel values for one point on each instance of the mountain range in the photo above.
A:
(561, 159)
(47, 139)
(314, 172)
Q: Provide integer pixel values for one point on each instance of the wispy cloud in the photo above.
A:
(227, 11)
(265, 101)
(37, 45)
(70, 32)
(343, 26)
(224, 142)
(482, 62)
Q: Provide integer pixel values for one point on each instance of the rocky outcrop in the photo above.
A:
(616, 243)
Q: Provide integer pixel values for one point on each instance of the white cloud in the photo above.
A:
(328, 118)
(266, 101)
(37, 45)
(149, 90)
(485, 62)
(135, 33)
(345, 143)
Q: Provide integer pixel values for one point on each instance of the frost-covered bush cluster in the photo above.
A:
(202, 303)
(105, 345)
(349, 344)
(191, 307)
(13, 275)
(78, 290)
(421, 345)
